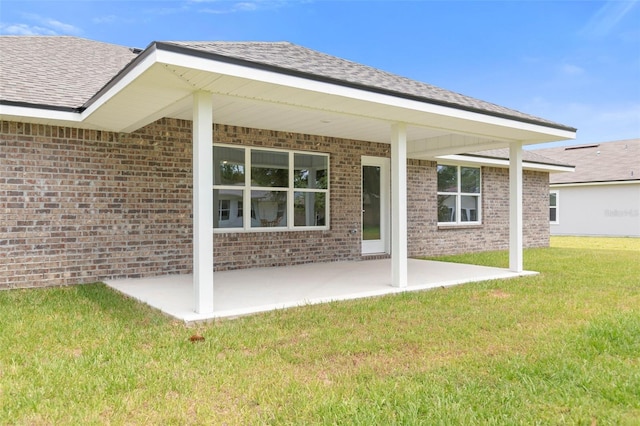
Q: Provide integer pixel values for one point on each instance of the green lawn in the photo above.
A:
(559, 348)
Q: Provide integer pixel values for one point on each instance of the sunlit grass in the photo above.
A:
(558, 348)
(597, 243)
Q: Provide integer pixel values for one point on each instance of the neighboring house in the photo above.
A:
(190, 157)
(602, 196)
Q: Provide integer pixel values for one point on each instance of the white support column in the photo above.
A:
(203, 202)
(515, 207)
(399, 266)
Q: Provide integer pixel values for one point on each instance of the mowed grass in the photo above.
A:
(562, 347)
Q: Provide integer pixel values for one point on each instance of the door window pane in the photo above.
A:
(371, 203)
(228, 166)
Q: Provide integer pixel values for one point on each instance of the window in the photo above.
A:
(458, 194)
(285, 189)
(224, 209)
(553, 206)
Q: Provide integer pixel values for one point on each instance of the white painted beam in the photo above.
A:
(515, 207)
(203, 202)
(399, 265)
(452, 144)
(499, 162)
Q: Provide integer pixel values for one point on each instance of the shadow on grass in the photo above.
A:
(108, 302)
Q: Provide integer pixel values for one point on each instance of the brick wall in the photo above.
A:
(81, 206)
(427, 239)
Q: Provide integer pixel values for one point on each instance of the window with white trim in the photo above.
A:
(459, 194)
(285, 189)
(554, 198)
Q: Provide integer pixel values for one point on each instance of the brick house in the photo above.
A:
(107, 166)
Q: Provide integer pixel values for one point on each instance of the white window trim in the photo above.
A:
(557, 207)
(290, 190)
(459, 195)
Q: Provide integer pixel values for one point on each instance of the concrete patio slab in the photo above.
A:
(249, 291)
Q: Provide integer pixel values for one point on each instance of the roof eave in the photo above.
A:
(597, 183)
(315, 77)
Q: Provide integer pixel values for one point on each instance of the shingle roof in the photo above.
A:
(289, 56)
(57, 71)
(527, 155)
(66, 72)
(600, 162)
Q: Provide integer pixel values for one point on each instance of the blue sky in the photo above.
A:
(574, 62)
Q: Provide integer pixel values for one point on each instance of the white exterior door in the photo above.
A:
(375, 205)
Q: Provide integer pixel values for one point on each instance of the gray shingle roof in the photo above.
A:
(297, 58)
(66, 72)
(603, 162)
(57, 71)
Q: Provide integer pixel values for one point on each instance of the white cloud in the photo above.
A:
(24, 29)
(167, 10)
(53, 24)
(607, 18)
(629, 113)
(223, 7)
(39, 25)
(220, 7)
(108, 19)
(571, 70)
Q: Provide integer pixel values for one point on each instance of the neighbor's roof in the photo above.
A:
(66, 72)
(600, 162)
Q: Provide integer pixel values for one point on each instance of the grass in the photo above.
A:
(562, 347)
(371, 233)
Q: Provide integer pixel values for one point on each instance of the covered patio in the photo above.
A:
(250, 291)
(284, 88)
(307, 93)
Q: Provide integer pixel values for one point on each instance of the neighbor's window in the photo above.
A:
(224, 209)
(458, 194)
(285, 189)
(553, 206)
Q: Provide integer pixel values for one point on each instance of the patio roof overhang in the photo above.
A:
(161, 81)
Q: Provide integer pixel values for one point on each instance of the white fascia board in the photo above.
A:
(624, 182)
(272, 77)
(484, 161)
(19, 113)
